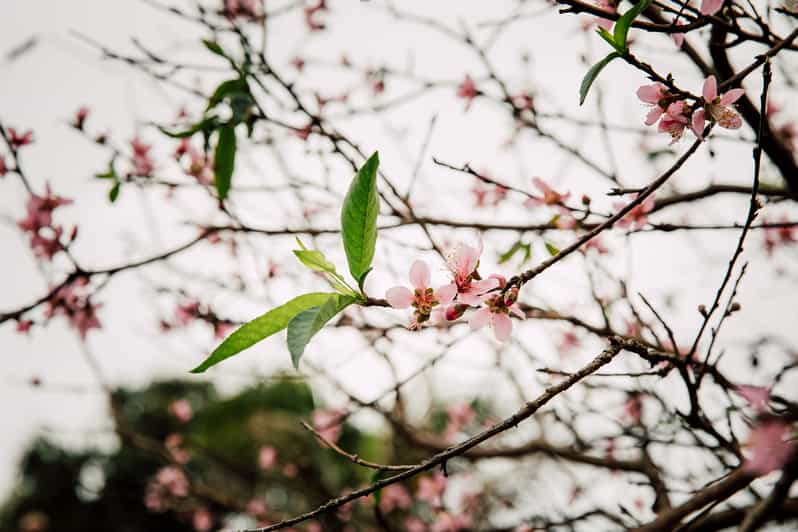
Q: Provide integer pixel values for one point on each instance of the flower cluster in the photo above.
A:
(190, 311)
(675, 114)
(74, 302)
(45, 237)
(466, 290)
(143, 164)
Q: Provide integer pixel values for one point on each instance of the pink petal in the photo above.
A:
(653, 115)
(419, 274)
(502, 327)
(650, 93)
(542, 185)
(710, 7)
(699, 121)
(515, 309)
(731, 96)
(678, 39)
(445, 294)
(399, 297)
(710, 90)
(484, 285)
(479, 319)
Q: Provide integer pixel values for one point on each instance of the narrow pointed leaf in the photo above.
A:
(224, 160)
(592, 74)
(359, 218)
(261, 328)
(307, 323)
(622, 25)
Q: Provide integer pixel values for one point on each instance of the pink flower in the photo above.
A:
(596, 244)
(143, 164)
(23, 326)
(80, 117)
(638, 216)
(74, 303)
(40, 210)
(447, 522)
(430, 488)
(181, 410)
(653, 95)
(202, 520)
(459, 416)
(550, 196)
(17, 139)
(256, 507)
(467, 90)
(298, 63)
(174, 443)
(414, 524)
(422, 298)
(463, 261)
(267, 458)
(633, 407)
(775, 236)
(770, 447)
(674, 120)
(710, 7)
(395, 496)
(496, 312)
(235, 8)
(328, 423)
(718, 107)
(569, 342)
(757, 397)
(173, 480)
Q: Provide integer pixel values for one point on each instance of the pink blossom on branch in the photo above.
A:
(637, 218)
(181, 410)
(467, 90)
(422, 298)
(770, 447)
(17, 139)
(550, 196)
(462, 261)
(718, 107)
(710, 7)
(496, 313)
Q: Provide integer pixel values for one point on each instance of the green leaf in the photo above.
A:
(224, 160)
(623, 24)
(518, 246)
(592, 74)
(207, 124)
(110, 173)
(307, 323)
(359, 218)
(316, 261)
(214, 47)
(114, 192)
(261, 328)
(552, 249)
(225, 89)
(607, 36)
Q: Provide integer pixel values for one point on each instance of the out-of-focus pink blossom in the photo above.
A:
(422, 298)
(17, 139)
(678, 38)
(467, 90)
(181, 409)
(240, 8)
(395, 496)
(256, 508)
(633, 408)
(267, 458)
(290, 470)
(73, 302)
(549, 195)
(80, 117)
(314, 14)
(174, 443)
(23, 326)
(298, 63)
(770, 447)
(414, 524)
(173, 480)
(757, 397)
(143, 165)
(3, 166)
(459, 416)
(710, 7)
(569, 341)
(596, 244)
(779, 236)
(40, 210)
(202, 520)
(636, 218)
(447, 522)
(430, 488)
(328, 423)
